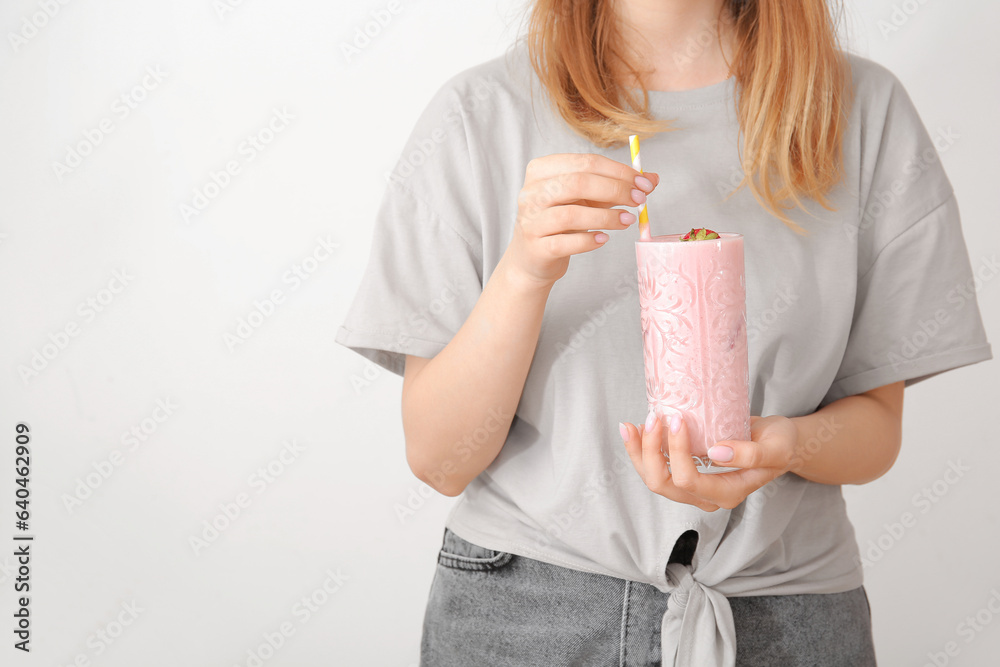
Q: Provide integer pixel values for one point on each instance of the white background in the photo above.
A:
(331, 507)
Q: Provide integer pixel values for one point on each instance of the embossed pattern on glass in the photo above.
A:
(692, 297)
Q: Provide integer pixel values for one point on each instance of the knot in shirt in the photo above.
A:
(697, 628)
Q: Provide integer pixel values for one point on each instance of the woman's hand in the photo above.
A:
(770, 452)
(564, 196)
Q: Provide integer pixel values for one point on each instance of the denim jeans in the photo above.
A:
(498, 609)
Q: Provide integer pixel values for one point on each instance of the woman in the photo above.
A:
(572, 544)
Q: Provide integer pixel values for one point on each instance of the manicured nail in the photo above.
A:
(601, 237)
(638, 196)
(623, 431)
(643, 183)
(675, 423)
(650, 421)
(720, 453)
(627, 218)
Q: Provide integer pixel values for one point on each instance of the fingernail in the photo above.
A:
(675, 423)
(650, 421)
(638, 196)
(623, 431)
(720, 453)
(601, 237)
(643, 183)
(627, 218)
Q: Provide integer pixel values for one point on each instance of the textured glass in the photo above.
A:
(692, 297)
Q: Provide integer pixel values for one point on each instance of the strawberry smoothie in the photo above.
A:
(692, 297)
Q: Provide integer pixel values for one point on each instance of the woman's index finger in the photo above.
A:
(559, 164)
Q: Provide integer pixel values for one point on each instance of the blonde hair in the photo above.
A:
(792, 81)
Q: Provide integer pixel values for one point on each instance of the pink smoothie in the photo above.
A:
(692, 296)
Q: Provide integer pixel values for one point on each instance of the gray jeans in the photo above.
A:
(498, 609)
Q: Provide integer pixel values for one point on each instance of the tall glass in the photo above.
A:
(692, 297)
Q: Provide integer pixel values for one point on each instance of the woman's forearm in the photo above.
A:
(459, 407)
(853, 440)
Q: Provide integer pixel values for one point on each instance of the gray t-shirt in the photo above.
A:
(881, 290)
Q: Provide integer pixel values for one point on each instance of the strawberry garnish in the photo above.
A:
(700, 234)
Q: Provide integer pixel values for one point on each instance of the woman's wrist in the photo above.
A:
(519, 281)
(799, 450)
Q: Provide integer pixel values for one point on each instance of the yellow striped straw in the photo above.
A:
(633, 144)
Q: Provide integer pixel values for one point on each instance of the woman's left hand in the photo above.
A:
(768, 454)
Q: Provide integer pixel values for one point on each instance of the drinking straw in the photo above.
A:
(633, 144)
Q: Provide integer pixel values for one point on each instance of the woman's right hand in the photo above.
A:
(564, 196)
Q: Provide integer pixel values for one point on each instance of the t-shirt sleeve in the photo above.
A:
(916, 313)
(421, 282)
(425, 269)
